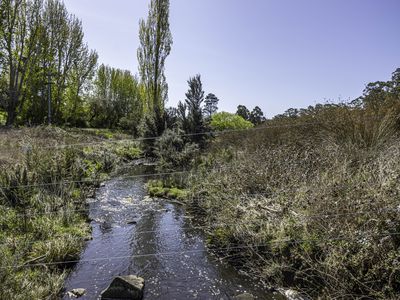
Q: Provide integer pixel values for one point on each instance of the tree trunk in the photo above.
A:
(10, 116)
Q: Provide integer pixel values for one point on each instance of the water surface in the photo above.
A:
(133, 234)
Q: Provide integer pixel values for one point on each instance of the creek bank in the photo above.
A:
(156, 189)
(38, 211)
(163, 247)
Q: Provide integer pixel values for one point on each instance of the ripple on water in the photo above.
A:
(181, 268)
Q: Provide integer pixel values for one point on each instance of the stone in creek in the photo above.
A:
(76, 293)
(292, 294)
(133, 222)
(245, 296)
(125, 287)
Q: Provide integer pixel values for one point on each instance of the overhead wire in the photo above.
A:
(212, 132)
(91, 180)
(169, 253)
(217, 225)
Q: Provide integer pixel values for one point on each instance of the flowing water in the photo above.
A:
(133, 234)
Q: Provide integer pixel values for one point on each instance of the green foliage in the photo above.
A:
(149, 131)
(256, 116)
(155, 46)
(210, 105)
(129, 152)
(43, 43)
(219, 237)
(3, 118)
(116, 100)
(173, 152)
(158, 188)
(191, 113)
(228, 121)
(243, 112)
(57, 225)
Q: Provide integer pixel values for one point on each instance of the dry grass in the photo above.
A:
(321, 201)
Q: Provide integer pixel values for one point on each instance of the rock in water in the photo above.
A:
(292, 294)
(76, 293)
(125, 287)
(245, 296)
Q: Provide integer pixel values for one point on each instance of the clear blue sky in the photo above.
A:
(275, 54)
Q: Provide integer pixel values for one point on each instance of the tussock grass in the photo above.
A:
(47, 223)
(319, 200)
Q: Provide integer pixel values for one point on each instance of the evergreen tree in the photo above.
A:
(194, 100)
(243, 112)
(210, 105)
(257, 116)
(171, 117)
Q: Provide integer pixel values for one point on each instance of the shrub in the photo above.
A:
(173, 152)
(227, 121)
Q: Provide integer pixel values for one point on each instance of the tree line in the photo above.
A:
(42, 57)
(49, 75)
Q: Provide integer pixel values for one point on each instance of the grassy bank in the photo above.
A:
(42, 202)
(159, 188)
(314, 198)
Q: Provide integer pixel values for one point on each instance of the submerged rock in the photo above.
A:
(292, 294)
(244, 296)
(125, 287)
(76, 293)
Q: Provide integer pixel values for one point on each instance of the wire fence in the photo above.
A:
(142, 139)
(182, 252)
(65, 210)
(217, 225)
(65, 182)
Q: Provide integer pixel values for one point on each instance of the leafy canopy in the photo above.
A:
(228, 121)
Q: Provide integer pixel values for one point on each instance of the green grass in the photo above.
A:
(3, 118)
(128, 151)
(56, 230)
(157, 188)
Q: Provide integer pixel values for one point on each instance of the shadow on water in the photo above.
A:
(127, 226)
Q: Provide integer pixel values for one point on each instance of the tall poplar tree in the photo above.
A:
(19, 33)
(155, 46)
(42, 43)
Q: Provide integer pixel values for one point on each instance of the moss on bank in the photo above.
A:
(158, 188)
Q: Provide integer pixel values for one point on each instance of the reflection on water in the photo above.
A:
(127, 226)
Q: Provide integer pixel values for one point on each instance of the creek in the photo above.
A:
(154, 239)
